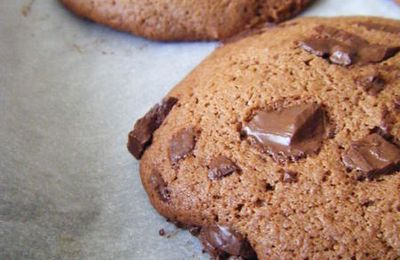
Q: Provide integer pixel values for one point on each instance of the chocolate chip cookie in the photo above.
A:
(171, 20)
(284, 144)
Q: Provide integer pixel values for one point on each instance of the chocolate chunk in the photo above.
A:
(220, 167)
(292, 132)
(384, 131)
(223, 242)
(317, 46)
(142, 133)
(329, 49)
(372, 83)
(380, 27)
(341, 55)
(341, 36)
(289, 177)
(374, 53)
(182, 144)
(344, 48)
(157, 182)
(372, 156)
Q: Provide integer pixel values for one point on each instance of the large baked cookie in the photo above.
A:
(185, 19)
(284, 144)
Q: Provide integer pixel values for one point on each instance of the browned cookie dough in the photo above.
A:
(171, 20)
(286, 144)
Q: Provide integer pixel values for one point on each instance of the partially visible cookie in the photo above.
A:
(172, 20)
(284, 144)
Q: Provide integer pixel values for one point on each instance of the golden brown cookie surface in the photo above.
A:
(170, 20)
(286, 143)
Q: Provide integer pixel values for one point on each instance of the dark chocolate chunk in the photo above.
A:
(375, 53)
(372, 156)
(344, 48)
(289, 177)
(142, 133)
(220, 167)
(341, 36)
(380, 27)
(292, 132)
(318, 46)
(157, 182)
(223, 242)
(341, 55)
(182, 144)
(384, 131)
(329, 49)
(372, 83)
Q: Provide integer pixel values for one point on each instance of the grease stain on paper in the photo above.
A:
(27, 8)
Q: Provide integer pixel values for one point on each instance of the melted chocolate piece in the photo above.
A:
(157, 182)
(222, 242)
(372, 156)
(289, 177)
(341, 55)
(380, 27)
(292, 132)
(220, 167)
(340, 35)
(140, 137)
(317, 46)
(329, 49)
(375, 53)
(344, 48)
(372, 84)
(182, 144)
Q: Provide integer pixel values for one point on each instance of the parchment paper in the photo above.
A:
(70, 91)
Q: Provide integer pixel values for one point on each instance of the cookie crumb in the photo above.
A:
(27, 8)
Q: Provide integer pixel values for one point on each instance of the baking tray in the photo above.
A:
(70, 91)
